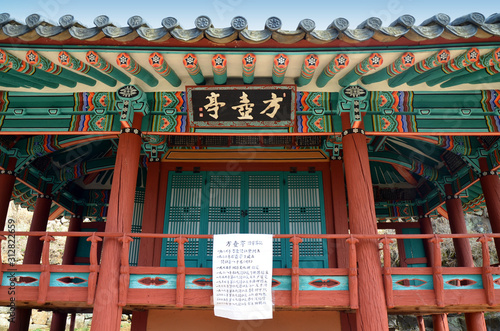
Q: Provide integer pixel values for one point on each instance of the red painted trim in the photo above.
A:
(441, 211)
(243, 166)
(339, 204)
(151, 203)
(178, 45)
(160, 214)
(329, 221)
(58, 212)
(139, 321)
(405, 174)
(401, 249)
(398, 225)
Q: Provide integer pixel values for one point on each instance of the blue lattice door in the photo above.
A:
(224, 195)
(183, 216)
(305, 214)
(265, 212)
(245, 202)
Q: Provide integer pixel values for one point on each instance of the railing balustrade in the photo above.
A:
(435, 277)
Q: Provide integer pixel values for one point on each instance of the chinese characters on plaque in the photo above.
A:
(241, 106)
(242, 276)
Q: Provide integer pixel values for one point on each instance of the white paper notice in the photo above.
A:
(242, 276)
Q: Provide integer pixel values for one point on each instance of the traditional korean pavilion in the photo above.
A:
(159, 137)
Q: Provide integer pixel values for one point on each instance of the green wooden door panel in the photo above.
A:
(306, 215)
(183, 214)
(265, 193)
(414, 248)
(224, 208)
(250, 202)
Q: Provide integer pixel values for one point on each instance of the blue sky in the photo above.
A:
(255, 11)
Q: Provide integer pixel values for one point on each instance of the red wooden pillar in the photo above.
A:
(72, 322)
(75, 224)
(440, 321)
(33, 251)
(474, 321)
(372, 312)
(426, 228)
(420, 322)
(107, 311)
(490, 183)
(7, 181)
(341, 222)
(139, 321)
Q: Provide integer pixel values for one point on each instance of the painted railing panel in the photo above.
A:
(294, 287)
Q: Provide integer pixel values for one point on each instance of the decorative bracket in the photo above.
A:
(132, 100)
(155, 146)
(353, 99)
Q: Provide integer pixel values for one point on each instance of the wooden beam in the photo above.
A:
(372, 62)
(400, 65)
(463, 60)
(126, 61)
(433, 61)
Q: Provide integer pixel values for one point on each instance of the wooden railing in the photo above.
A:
(394, 296)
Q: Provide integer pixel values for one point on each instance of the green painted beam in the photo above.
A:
(42, 101)
(125, 61)
(402, 63)
(249, 61)
(493, 78)
(41, 62)
(445, 100)
(280, 64)
(476, 77)
(487, 60)
(160, 65)
(21, 66)
(101, 64)
(9, 80)
(463, 60)
(219, 69)
(339, 62)
(433, 61)
(309, 66)
(372, 62)
(190, 62)
(26, 80)
(71, 62)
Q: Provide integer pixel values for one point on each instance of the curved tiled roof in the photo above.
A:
(440, 25)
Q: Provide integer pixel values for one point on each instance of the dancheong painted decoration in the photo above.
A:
(152, 139)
